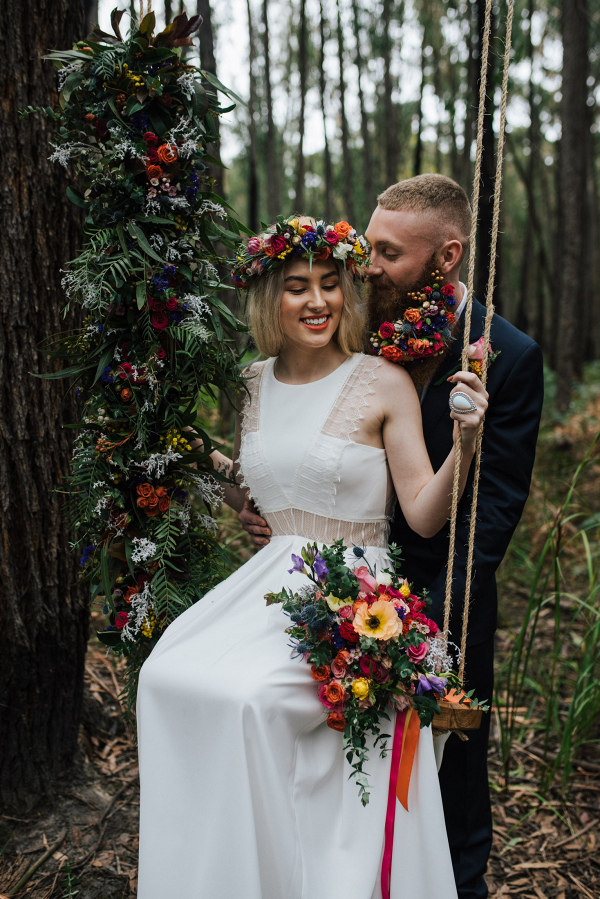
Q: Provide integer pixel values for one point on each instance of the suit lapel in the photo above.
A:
(435, 404)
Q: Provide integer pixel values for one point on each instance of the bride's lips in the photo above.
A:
(316, 322)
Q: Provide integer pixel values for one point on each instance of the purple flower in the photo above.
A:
(428, 682)
(309, 240)
(298, 564)
(321, 569)
(191, 193)
(87, 552)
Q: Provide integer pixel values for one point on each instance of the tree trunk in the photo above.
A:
(91, 16)
(302, 68)
(209, 64)
(419, 145)
(43, 612)
(521, 319)
(575, 35)
(471, 97)
(273, 204)
(253, 219)
(364, 119)
(326, 152)
(348, 186)
(488, 167)
(168, 12)
(391, 137)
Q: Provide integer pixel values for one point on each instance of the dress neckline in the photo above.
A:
(271, 370)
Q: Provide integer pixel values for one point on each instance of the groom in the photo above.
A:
(420, 225)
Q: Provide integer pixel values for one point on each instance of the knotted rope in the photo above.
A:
(488, 317)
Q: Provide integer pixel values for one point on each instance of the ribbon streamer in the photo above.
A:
(406, 736)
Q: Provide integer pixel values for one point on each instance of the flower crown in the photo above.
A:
(288, 239)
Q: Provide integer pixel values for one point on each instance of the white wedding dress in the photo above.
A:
(244, 789)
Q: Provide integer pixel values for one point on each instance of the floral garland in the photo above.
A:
(136, 121)
(369, 645)
(288, 239)
(425, 328)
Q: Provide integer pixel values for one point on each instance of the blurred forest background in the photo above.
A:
(341, 98)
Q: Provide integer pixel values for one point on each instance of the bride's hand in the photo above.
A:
(468, 383)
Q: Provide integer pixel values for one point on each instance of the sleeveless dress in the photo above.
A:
(244, 788)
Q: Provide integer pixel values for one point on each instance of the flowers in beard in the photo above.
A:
(367, 641)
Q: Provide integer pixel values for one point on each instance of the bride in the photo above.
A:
(244, 789)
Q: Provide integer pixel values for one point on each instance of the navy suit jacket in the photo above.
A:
(515, 386)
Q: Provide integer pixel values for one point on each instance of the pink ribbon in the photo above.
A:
(386, 864)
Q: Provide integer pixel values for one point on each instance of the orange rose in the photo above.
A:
(412, 315)
(323, 253)
(167, 153)
(355, 609)
(320, 672)
(269, 251)
(342, 657)
(392, 353)
(145, 489)
(451, 318)
(334, 693)
(126, 394)
(336, 721)
(153, 171)
(153, 500)
(142, 502)
(161, 491)
(164, 503)
(342, 229)
(152, 513)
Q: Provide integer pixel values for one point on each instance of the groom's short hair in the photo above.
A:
(431, 193)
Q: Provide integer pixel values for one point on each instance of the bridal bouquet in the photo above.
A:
(369, 643)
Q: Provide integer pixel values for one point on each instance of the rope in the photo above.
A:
(469, 303)
(488, 319)
(486, 334)
(148, 8)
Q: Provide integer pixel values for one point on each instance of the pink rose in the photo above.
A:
(335, 691)
(366, 581)
(476, 350)
(125, 369)
(368, 666)
(121, 619)
(150, 139)
(254, 245)
(447, 290)
(171, 305)
(380, 675)
(156, 305)
(337, 669)
(159, 321)
(151, 156)
(417, 653)
(386, 330)
(161, 353)
(433, 628)
(332, 238)
(346, 612)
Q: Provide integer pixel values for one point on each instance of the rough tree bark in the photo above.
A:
(326, 152)
(302, 69)
(364, 118)
(43, 612)
(488, 168)
(575, 35)
(273, 204)
(168, 12)
(418, 161)
(253, 220)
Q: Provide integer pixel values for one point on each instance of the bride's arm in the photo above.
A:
(234, 496)
(425, 497)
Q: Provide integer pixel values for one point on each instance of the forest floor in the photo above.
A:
(546, 844)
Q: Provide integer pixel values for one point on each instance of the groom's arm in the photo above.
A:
(509, 442)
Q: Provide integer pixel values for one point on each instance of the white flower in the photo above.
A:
(384, 579)
(142, 607)
(186, 83)
(157, 463)
(143, 549)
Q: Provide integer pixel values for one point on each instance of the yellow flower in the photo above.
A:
(358, 249)
(360, 688)
(301, 231)
(379, 620)
(404, 590)
(293, 223)
(335, 603)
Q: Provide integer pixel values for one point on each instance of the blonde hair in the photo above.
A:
(432, 193)
(264, 298)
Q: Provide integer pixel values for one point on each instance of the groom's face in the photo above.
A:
(402, 246)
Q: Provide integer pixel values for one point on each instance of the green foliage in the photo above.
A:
(133, 123)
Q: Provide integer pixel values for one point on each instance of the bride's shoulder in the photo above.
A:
(390, 375)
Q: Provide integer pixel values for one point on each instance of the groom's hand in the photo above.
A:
(254, 524)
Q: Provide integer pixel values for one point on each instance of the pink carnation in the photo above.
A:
(386, 330)
(121, 619)
(447, 290)
(332, 238)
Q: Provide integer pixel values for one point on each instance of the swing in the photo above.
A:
(455, 715)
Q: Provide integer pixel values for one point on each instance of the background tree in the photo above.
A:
(43, 613)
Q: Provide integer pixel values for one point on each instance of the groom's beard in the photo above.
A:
(390, 304)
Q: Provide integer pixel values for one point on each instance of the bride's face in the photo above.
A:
(311, 303)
